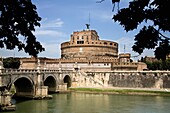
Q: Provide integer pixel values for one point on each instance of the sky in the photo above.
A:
(60, 18)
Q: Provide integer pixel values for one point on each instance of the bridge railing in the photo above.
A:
(18, 70)
(32, 70)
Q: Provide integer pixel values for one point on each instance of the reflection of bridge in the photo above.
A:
(35, 83)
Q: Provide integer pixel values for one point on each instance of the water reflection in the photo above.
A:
(95, 103)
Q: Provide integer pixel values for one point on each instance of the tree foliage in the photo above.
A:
(158, 65)
(152, 35)
(19, 18)
(11, 62)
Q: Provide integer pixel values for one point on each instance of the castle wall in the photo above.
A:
(129, 79)
(140, 79)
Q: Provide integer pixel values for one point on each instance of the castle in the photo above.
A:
(85, 51)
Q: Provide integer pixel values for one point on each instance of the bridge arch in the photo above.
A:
(24, 86)
(67, 79)
(51, 82)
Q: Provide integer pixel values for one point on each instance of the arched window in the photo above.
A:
(105, 43)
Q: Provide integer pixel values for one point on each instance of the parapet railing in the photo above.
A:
(32, 70)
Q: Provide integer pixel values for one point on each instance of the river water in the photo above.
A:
(95, 103)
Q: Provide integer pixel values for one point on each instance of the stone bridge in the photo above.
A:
(36, 83)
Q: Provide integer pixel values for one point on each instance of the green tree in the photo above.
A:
(152, 35)
(19, 18)
(158, 65)
(11, 62)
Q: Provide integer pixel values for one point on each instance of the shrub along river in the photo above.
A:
(95, 103)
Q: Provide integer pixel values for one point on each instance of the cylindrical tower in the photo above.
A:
(86, 44)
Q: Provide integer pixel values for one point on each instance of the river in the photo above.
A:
(95, 103)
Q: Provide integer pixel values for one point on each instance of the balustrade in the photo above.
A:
(32, 70)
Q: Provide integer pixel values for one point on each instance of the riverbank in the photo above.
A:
(125, 91)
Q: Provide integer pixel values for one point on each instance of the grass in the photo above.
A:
(120, 91)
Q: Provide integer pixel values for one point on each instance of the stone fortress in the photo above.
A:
(87, 45)
(85, 51)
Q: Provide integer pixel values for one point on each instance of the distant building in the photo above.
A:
(85, 51)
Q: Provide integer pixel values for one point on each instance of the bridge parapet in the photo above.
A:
(6, 71)
(18, 70)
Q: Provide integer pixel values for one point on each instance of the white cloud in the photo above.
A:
(52, 24)
(49, 28)
(40, 32)
(52, 50)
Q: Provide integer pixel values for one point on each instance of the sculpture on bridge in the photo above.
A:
(5, 100)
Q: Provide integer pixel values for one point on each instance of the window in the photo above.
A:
(105, 43)
(80, 42)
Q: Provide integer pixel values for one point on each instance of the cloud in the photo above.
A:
(52, 24)
(49, 28)
(40, 32)
(52, 50)
(50, 37)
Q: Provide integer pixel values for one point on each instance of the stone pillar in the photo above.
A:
(60, 67)
(62, 87)
(41, 91)
(5, 103)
